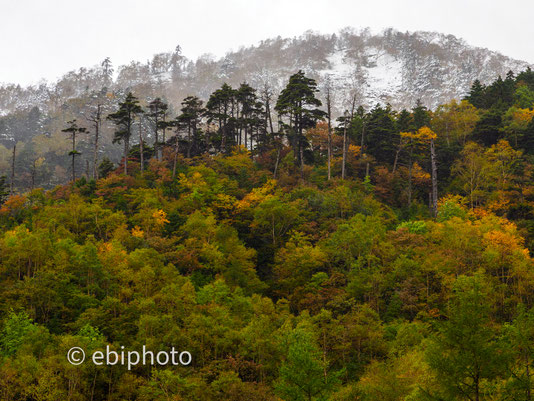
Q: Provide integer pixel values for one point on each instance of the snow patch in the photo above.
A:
(384, 75)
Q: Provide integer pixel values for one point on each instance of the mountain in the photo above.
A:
(388, 67)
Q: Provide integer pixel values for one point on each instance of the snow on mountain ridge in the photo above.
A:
(388, 67)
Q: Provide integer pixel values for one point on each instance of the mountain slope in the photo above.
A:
(389, 67)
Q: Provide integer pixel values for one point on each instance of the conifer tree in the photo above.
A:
(73, 130)
(404, 123)
(157, 113)
(300, 107)
(105, 167)
(251, 113)
(487, 130)
(477, 94)
(124, 119)
(190, 119)
(94, 115)
(421, 116)
(107, 72)
(220, 109)
(381, 135)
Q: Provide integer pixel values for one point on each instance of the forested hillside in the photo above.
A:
(380, 255)
(389, 67)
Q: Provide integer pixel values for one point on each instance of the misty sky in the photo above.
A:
(46, 38)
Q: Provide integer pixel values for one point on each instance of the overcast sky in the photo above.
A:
(46, 38)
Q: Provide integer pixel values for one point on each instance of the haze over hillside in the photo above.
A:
(388, 67)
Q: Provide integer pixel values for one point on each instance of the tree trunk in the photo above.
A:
(126, 151)
(344, 161)
(97, 134)
(163, 140)
(156, 138)
(189, 143)
(410, 170)
(175, 158)
(277, 161)
(12, 185)
(329, 116)
(141, 147)
(73, 156)
(397, 153)
(301, 151)
(33, 174)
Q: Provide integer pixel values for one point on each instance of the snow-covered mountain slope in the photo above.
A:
(390, 67)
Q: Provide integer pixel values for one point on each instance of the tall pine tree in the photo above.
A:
(299, 106)
(124, 119)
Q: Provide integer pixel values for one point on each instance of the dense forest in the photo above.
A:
(296, 254)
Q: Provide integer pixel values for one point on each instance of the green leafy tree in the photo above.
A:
(302, 374)
(524, 97)
(465, 354)
(520, 337)
(16, 329)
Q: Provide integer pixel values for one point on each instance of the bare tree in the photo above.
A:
(141, 148)
(344, 161)
(328, 94)
(95, 118)
(346, 125)
(12, 184)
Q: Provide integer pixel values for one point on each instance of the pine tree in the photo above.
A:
(381, 134)
(404, 123)
(421, 116)
(107, 72)
(299, 105)
(526, 77)
(105, 167)
(251, 114)
(73, 130)
(221, 109)
(477, 95)
(124, 119)
(190, 119)
(487, 130)
(157, 113)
